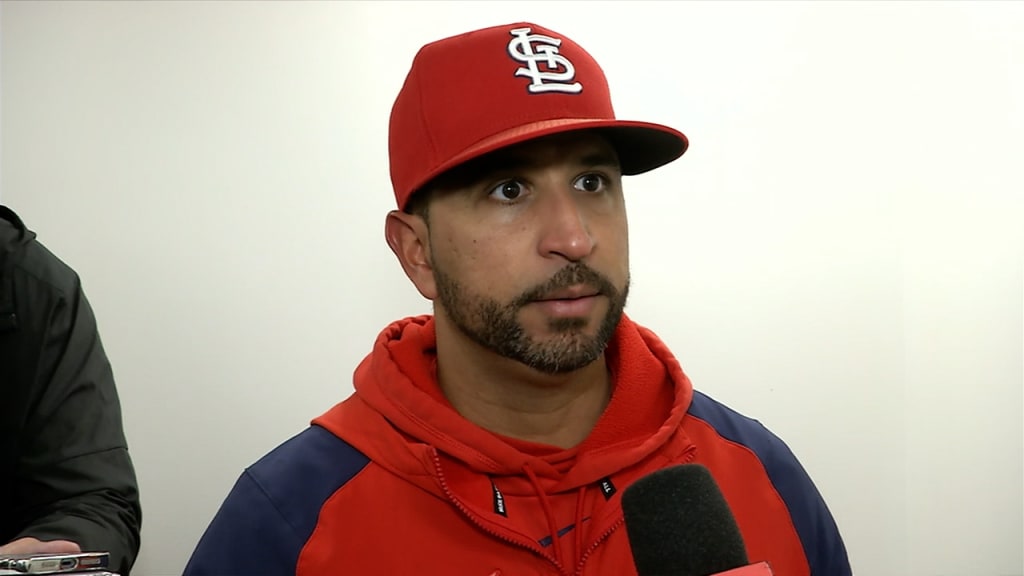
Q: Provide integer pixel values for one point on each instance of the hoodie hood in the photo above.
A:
(398, 415)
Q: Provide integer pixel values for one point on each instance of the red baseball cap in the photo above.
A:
(477, 92)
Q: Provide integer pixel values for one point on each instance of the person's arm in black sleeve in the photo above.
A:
(75, 479)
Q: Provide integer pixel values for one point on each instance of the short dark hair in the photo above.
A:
(419, 203)
(460, 176)
(453, 179)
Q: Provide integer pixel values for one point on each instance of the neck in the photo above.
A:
(514, 400)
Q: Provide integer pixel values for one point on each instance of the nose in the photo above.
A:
(565, 232)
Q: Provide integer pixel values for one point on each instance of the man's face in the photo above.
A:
(529, 250)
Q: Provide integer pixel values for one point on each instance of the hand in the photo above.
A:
(34, 546)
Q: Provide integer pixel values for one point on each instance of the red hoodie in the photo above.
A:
(394, 481)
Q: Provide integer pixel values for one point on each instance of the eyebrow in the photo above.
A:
(517, 162)
(600, 159)
(507, 163)
(504, 162)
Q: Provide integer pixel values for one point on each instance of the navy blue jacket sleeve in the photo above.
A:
(823, 546)
(248, 536)
(273, 509)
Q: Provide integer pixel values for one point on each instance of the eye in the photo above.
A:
(508, 191)
(591, 183)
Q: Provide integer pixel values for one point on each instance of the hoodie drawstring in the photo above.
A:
(556, 542)
(581, 497)
(545, 503)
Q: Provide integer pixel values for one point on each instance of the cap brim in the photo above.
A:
(641, 146)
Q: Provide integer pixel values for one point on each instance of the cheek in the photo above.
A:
(484, 261)
(623, 261)
(615, 241)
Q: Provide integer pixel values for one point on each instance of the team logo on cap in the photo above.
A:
(548, 70)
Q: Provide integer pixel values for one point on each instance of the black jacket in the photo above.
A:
(65, 472)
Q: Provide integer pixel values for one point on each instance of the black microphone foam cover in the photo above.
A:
(678, 524)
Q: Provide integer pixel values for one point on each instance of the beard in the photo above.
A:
(495, 325)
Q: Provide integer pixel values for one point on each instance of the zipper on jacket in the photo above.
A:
(529, 545)
(596, 543)
(689, 456)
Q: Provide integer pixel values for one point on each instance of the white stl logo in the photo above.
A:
(533, 49)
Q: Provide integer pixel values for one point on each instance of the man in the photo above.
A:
(68, 483)
(496, 436)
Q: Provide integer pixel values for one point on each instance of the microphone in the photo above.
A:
(679, 524)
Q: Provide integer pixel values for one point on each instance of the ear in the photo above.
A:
(409, 239)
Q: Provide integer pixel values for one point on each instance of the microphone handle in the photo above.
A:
(759, 569)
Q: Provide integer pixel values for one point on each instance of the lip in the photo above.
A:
(570, 293)
(580, 306)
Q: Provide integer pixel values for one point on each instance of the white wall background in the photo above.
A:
(839, 254)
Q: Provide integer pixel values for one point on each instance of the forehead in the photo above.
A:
(580, 148)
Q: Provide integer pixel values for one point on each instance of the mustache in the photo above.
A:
(574, 274)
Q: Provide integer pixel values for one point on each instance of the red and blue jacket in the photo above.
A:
(393, 481)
